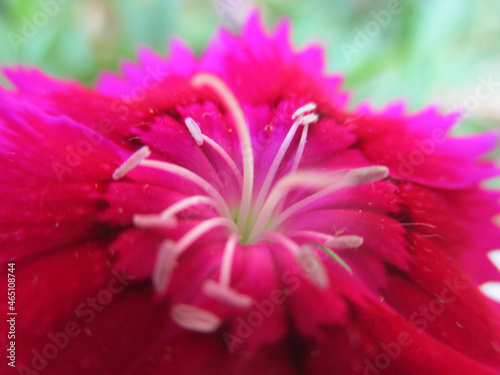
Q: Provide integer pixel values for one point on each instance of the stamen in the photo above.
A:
(266, 185)
(226, 294)
(222, 207)
(305, 108)
(195, 130)
(345, 242)
(199, 230)
(313, 267)
(337, 242)
(132, 162)
(195, 319)
(307, 259)
(354, 177)
(221, 290)
(305, 179)
(167, 217)
(152, 221)
(205, 79)
(166, 261)
(230, 162)
(289, 244)
(227, 259)
(199, 137)
(306, 121)
(300, 148)
(368, 175)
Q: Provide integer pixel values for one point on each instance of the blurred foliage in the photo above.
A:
(431, 51)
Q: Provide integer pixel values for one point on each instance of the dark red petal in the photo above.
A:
(414, 151)
(460, 222)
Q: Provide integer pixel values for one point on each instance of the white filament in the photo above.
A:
(313, 267)
(306, 121)
(167, 217)
(227, 259)
(306, 258)
(303, 179)
(266, 185)
(193, 177)
(221, 290)
(286, 241)
(166, 261)
(167, 255)
(230, 162)
(199, 230)
(352, 178)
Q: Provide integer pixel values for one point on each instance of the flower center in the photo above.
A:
(259, 218)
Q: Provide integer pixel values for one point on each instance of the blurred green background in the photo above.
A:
(443, 52)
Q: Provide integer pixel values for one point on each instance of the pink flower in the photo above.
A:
(229, 215)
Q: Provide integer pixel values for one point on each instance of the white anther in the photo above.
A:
(308, 119)
(368, 174)
(344, 242)
(133, 161)
(195, 319)
(195, 130)
(305, 108)
(226, 294)
(313, 267)
(148, 221)
(167, 218)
